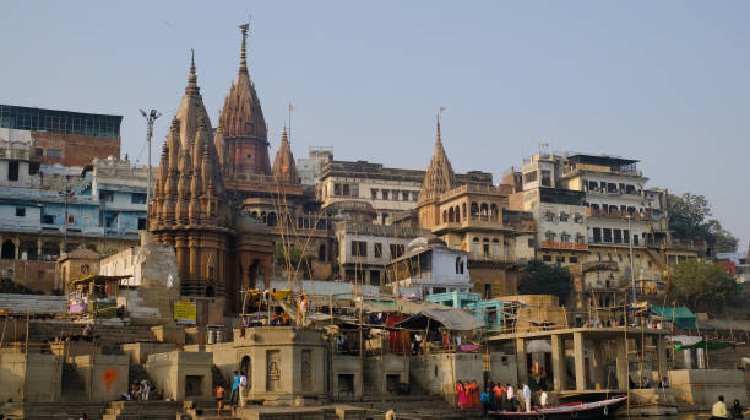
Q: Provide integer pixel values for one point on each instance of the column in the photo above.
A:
(661, 359)
(521, 363)
(558, 362)
(622, 364)
(17, 241)
(39, 248)
(598, 366)
(579, 361)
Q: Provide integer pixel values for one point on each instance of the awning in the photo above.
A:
(683, 317)
(450, 318)
(99, 279)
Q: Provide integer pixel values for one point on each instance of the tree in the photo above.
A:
(543, 279)
(702, 285)
(690, 218)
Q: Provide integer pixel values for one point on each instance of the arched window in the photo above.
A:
(445, 216)
(458, 265)
(246, 369)
(451, 215)
(474, 209)
(493, 210)
(463, 208)
(263, 217)
(272, 219)
(458, 213)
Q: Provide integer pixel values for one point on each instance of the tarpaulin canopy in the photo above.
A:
(681, 316)
(703, 344)
(450, 318)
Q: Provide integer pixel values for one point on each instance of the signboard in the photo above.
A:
(185, 312)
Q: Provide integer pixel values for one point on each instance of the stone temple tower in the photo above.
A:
(188, 206)
(241, 137)
(438, 179)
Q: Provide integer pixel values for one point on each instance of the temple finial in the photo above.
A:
(244, 29)
(192, 86)
(438, 138)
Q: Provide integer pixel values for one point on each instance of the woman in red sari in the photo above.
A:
(461, 393)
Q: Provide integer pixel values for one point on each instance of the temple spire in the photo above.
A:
(244, 28)
(192, 87)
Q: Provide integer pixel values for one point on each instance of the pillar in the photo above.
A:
(17, 241)
(39, 248)
(598, 366)
(521, 361)
(558, 362)
(579, 361)
(622, 364)
(661, 359)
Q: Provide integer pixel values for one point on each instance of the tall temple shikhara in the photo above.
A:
(202, 182)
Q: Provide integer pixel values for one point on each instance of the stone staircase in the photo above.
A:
(33, 304)
(53, 410)
(205, 408)
(147, 410)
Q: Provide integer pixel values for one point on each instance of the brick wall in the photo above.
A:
(75, 149)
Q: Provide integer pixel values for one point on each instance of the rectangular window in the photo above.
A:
(560, 260)
(39, 152)
(547, 258)
(141, 223)
(71, 219)
(359, 249)
(107, 196)
(597, 235)
(607, 234)
(618, 236)
(13, 170)
(574, 260)
(405, 195)
(546, 179)
(48, 219)
(385, 194)
(415, 196)
(378, 250)
(20, 211)
(54, 153)
(374, 193)
(397, 250)
(138, 198)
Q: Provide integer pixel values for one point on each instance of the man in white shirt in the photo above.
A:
(526, 397)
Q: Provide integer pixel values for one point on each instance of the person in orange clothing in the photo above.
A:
(219, 400)
(475, 395)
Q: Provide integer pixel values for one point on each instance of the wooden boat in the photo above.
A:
(573, 410)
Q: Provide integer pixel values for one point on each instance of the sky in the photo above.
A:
(667, 82)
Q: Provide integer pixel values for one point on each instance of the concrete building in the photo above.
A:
(311, 168)
(64, 137)
(470, 217)
(429, 267)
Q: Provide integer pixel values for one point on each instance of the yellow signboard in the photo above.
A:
(185, 312)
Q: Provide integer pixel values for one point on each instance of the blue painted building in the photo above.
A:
(491, 311)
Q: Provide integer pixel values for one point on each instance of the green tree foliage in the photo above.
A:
(702, 285)
(690, 218)
(543, 279)
(292, 258)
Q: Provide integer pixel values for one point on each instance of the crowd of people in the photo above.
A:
(236, 397)
(497, 397)
(140, 391)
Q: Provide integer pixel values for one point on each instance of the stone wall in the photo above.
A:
(701, 387)
(29, 377)
(181, 375)
(105, 376)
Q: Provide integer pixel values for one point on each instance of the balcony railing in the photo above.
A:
(616, 214)
(576, 246)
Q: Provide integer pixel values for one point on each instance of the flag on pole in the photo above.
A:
(292, 107)
(442, 108)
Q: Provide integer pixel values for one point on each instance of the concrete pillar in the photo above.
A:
(622, 365)
(521, 361)
(661, 359)
(599, 375)
(39, 247)
(17, 241)
(579, 361)
(558, 363)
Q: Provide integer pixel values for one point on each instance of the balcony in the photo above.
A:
(616, 214)
(573, 246)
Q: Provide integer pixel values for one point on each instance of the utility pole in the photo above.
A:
(150, 117)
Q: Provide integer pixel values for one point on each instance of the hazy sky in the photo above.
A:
(665, 82)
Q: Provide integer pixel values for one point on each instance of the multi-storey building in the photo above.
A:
(470, 217)
(391, 191)
(63, 137)
(592, 211)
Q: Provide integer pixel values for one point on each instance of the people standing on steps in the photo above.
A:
(235, 389)
(219, 400)
(243, 388)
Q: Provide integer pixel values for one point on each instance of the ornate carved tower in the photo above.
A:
(188, 206)
(243, 137)
(438, 180)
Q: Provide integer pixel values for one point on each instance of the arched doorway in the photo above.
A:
(8, 251)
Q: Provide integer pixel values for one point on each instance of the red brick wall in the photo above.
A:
(77, 150)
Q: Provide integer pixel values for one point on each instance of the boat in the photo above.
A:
(572, 410)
